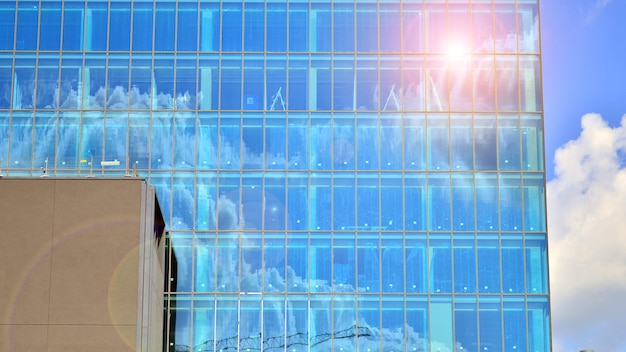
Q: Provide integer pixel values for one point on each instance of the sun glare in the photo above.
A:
(457, 52)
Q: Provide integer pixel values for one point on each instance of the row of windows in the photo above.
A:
(365, 263)
(276, 141)
(273, 82)
(276, 27)
(302, 324)
(358, 202)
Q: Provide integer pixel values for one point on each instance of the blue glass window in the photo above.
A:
(415, 202)
(27, 25)
(165, 26)
(254, 26)
(462, 142)
(536, 264)
(97, 26)
(392, 277)
(298, 27)
(417, 321)
(119, 36)
(7, 24)
(320, 259)
(514, 319)
(143, 13)
(276, 37)
(231, 26)
(369, 316)
(390, 30)
(488, 264)
(187, 35)
(367, 142)
(297, 262)
(297, 201)
(73, 25)
(464, 264)
(319, 199)
(180, 311)
(203, 321)
(209, 26)
(538, 324)
(205, 262)
(512, 264)
(490, 318)
(230, 76)
(510, 199)
(321, 28)
(366, 28)
(532, 142)
(439, 202)
(534, 202)
(391, 126)
(50, 31)
(463, 202)
(465, 322)
(393, 320)
(416, 263)
(343, 198)
(298, 86)
(440, 257)
(391, 202)
(485, 142)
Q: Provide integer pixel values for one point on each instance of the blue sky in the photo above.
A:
(584, 77)
(584, 66)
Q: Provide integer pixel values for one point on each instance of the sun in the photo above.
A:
(457, 52)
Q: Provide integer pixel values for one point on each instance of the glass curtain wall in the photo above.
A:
(336, 175)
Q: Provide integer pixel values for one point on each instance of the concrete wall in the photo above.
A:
(80, 266)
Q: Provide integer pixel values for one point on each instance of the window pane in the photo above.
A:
(440, 258)
(119, 37)
(165, 26)
(464, 264)
(276, 27)
(391, 202)
(27, 25)
(366, 28)
(143, 14)
(512, 265)
(231, 27)
(463, 202)
(392, 263)
(488, 264)
(187, 35)
(343, 27)
(50, 22)
(7, 24)
(254, 26)
(416, 263)
(465, 323)
(97, 26)
(298, 27)
(390, 19)
(412, 27)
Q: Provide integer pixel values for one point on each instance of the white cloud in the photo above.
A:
(587, 218)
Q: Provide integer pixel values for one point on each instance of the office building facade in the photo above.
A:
(335, 175)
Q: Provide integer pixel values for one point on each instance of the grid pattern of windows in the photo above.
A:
(336, 175)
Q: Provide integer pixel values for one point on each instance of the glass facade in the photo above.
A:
(335, 175)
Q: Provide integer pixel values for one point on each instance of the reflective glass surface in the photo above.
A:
(335, 176)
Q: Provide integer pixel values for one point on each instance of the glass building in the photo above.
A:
(335, 175)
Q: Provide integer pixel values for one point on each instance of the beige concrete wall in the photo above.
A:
(72, 264)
